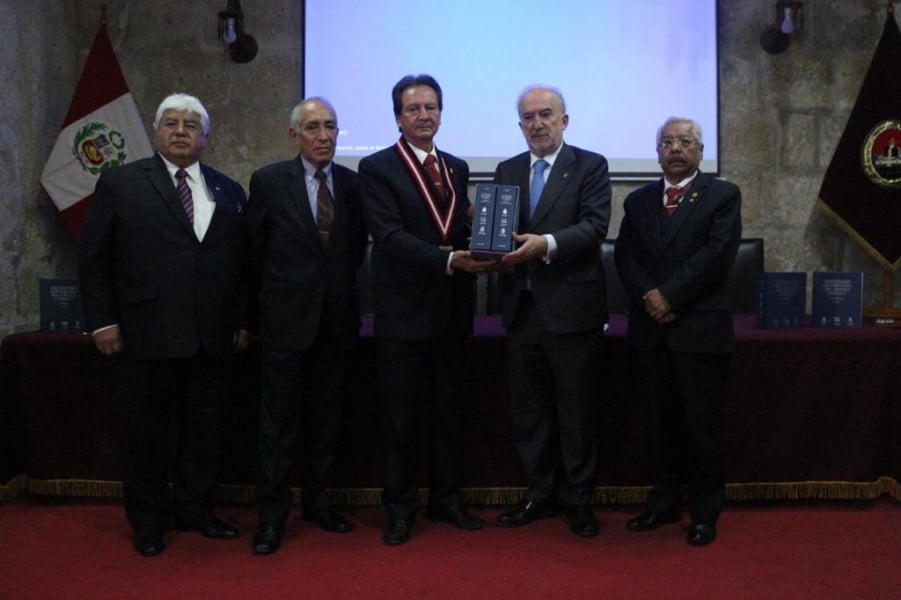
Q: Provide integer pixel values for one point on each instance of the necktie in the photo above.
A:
(431, 168)
(325, 208)
(537, 185)
(184, 193)
(673, 195)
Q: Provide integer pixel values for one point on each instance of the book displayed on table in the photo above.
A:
(837, 299)
(782, 299)
(60, 305)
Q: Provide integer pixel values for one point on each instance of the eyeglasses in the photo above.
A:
(670, 142)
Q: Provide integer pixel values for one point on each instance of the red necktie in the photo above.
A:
(431, 167)
(673, 195)
(184, 193)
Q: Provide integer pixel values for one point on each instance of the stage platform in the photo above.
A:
(812, 413)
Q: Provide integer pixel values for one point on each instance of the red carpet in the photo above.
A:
(785, 551)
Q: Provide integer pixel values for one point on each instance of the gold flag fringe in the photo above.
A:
(857, 237)
(13, 487)
(494, 496)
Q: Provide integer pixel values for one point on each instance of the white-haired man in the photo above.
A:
(162, 269)
(307, 242)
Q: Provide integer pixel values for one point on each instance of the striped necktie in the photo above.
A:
(184, 193)
(325, 208)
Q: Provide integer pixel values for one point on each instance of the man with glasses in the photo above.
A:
(307, 243)
(676, 245)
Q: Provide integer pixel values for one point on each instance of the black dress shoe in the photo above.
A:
(649, 520)
(456, 516)
(211, 527)
(700, 534)
(582, 521)
(526, 512)
(149, 544)
(330, 520)
(397, 530)
(267, 539)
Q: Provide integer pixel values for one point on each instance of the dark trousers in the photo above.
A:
(302, 397)
(684, 393)
(150, 391)
(422, 381)
(555, 387)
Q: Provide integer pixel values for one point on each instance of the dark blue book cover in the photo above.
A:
(837, 299)
(60, 304)
(506, 217)
(782, 299)
(483, 219)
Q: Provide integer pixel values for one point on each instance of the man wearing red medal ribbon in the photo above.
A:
(415, 206)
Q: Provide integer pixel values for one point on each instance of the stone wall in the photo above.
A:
(781, 115)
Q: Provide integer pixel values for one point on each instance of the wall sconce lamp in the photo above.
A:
(241, 47)
(789, 21)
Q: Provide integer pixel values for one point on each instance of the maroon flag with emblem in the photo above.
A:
(102, 129)
(862, 185)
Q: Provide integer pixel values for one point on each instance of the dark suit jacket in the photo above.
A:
(569, 292)
(687, 257)
(413, 298)
(142, 266)
(293, 278)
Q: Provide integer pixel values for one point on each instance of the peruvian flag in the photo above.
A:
(102, 129)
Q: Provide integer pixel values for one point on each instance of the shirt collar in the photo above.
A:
(549, 159)
(192, 170)
(687, 181)
(309, 169)
(421, 154)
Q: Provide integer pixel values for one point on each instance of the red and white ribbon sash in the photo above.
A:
(441, 218)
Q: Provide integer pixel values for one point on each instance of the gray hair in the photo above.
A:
(558, 95)
(693, 126)
(180, 101)
(295, 114)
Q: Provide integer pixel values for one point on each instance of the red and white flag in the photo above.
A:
(102, 129)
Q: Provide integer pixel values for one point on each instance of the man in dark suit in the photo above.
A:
(555, 309)
(307, 243)
(415, 204)
(161, 268)
(676, 245)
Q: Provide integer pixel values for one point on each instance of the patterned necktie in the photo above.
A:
(431, 168)
(537, 185)
(184, 193)
(673, 195)
(325, 208)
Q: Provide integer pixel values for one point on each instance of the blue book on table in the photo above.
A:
(782, 299)
(60, 305)
(837, 299)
